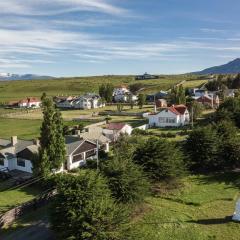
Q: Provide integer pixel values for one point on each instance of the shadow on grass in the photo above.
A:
(229, 178)
(214, 221)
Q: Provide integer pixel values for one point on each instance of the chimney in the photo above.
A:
(14, 140)
(36, 142)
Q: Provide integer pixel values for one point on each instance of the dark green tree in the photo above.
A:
(195, 108)
(229, 145)
(60, 149)
(106, 92)
(236, 82)
(160, 159)
(84, 209)
(141, 100)
(52, 144)
(178, 95)
(202, 148)
(126, 180)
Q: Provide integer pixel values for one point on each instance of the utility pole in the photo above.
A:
(192, 116)
(97, 156)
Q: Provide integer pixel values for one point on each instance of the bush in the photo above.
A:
(138, 131)
(160, 159)
(84, 209)
(126, 180)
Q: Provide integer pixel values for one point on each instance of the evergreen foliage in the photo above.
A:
(178, 95)
(106, 92)
(141, 100)
(160, 159)
(52, 143)
(84, 209)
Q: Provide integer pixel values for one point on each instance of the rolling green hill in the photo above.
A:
(14, 90)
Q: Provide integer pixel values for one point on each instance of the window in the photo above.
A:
(2, 161)
(162, 120)
(90, 153)
(21, 162)
(170, 120)
(77, 158)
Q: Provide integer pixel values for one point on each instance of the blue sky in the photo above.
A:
(96, 37)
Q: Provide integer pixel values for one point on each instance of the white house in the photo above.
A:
(114, 130)
(30, 102)
(78, 152)
(174, 116)
(18, 154)
(95, 134)
(87, 101)
(121, 94)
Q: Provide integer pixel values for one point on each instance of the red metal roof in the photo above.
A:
(115, 126)
(180, 108)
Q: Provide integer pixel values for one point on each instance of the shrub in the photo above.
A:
(160, 159)
(84, 209)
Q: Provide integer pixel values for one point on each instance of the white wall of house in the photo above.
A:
(12, 164)
(34, 104)
(127, 129)
(167, 118)
(5, 163)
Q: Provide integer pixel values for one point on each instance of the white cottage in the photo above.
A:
(174, 116)
(18, 154)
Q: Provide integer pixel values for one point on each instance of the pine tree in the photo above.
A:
(84, 209)
(52, 146)
(160, 159)
(141, 100)
(60, 151)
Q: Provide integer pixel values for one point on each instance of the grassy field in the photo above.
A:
(11, 198)
(201, 210)
(194, 83)
(27, 128)
(14, 90)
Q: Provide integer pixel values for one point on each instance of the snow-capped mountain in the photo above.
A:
(10, 76)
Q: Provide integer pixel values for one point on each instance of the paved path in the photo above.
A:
(37, 231)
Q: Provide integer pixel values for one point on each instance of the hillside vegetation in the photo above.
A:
(14, 90)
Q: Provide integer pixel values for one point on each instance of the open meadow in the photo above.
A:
(196, 211)
(15, 90)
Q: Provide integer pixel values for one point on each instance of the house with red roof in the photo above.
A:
(114, 130)
(174, 116)
(30, 102)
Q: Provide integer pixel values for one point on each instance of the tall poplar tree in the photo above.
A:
(52, 145)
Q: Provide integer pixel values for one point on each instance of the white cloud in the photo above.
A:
(54, 7)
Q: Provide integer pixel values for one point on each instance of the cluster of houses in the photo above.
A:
(30, 102)
(122, 94)
(18, 155)
(87, 101)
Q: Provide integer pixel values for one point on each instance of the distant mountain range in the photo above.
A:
(232, 67)
(10, 76)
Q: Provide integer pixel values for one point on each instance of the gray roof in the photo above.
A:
(94, 134)
(72, 143)
(10, 151)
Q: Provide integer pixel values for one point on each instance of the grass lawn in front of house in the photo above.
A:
(201, 210)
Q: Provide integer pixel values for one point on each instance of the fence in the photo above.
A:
(13, 214)
(112, 113)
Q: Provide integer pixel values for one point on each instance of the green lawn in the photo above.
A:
(26, 128)
(14, 90)
(201, 210)
(11, 198)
